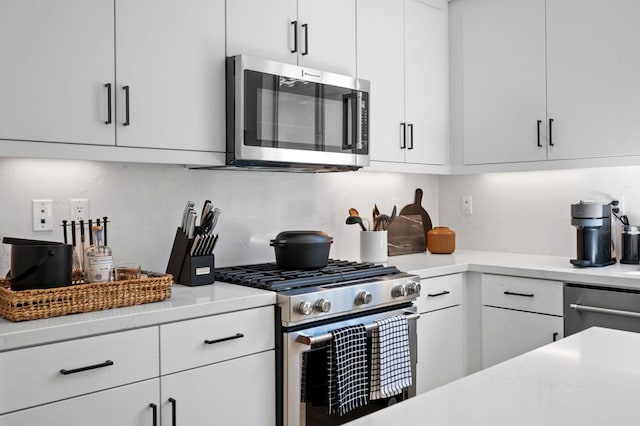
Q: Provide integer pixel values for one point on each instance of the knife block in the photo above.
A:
(186, 269)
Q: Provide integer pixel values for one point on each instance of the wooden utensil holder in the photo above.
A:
(189, 270)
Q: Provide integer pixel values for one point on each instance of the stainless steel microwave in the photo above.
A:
(290, 117)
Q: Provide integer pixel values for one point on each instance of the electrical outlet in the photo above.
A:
(620, 205)
(78, 209)
(467, 204)
(42, 215)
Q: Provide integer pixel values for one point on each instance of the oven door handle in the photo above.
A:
(595, 309)
(312, 340)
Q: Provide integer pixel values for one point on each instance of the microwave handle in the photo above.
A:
(352, 107)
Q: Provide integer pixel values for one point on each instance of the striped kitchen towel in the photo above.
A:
(348, 364)
(390, 357)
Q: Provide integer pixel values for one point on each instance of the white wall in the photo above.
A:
(145, 203)
(529, 212)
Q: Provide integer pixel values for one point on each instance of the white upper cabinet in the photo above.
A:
(319, 34)
(402, 50)
(545, 80)
(500, 50)
(170, 56)
(593, 63)
(56, 57)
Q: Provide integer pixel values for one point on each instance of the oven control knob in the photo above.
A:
(304, 308)
(363, 298)
(399, 290)
(414, 287)
(323, 305)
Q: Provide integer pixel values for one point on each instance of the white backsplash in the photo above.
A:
(144, 203)
(529, 212)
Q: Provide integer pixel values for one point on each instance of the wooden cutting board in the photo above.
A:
(406, 235)
(416, 209)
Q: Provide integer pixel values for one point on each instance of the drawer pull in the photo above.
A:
(224, 339)
(555, 336)
(154, 407)
(438, 294)
(88, 367)
(173, 403)
(510, 293)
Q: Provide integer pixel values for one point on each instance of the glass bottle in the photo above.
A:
(98, 263)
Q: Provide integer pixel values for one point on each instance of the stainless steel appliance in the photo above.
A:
(593, 222)
(588, 306)
(311, 303)
(285, 116)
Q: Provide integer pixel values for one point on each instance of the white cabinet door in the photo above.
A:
(441, 348)
(56, 57)
(123, 406)
(502, 67)
(381, 61)
(262, 28)
(426, 82)
(593, 67)
(236, 392)
(507, 333)
(328, 42)
(170, 54)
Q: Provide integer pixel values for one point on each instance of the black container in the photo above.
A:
(302, 249)
(630, 245)
(39, 264)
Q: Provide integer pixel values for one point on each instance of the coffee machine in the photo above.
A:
(593, 221)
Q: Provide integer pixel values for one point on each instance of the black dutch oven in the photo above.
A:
(302, 249)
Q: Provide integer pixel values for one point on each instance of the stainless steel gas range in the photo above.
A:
(312, 303)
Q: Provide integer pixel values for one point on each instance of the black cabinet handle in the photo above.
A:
(127, 120)
(410, 125)
(555, 336)
(295, 36)
(108, 87)
(173, 403)
(224, 339)
(403, 145)
(306, 39)
(154, 410)
(519, 294)
(88, 367)
(442, 293)
(551, 132)
(539, 123)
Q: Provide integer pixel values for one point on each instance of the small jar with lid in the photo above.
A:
(441, 240)
(630, 245)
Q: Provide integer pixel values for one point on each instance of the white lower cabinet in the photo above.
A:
(131, 405)
(441, 332)
(518, 315)
(240, 391)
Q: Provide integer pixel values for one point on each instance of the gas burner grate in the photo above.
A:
(269, 277)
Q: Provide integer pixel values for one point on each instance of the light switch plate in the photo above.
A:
(42, 215)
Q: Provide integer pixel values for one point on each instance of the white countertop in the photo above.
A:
(525, 265)
(184, 303)
(589, 379)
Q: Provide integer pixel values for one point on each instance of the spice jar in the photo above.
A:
(441, 240)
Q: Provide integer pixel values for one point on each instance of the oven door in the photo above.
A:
(289, 114)
(305, 384)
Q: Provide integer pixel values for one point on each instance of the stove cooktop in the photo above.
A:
(268, 276)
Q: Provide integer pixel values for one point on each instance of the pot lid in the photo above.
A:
(302, 237)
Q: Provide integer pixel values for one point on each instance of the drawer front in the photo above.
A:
(53, 372)
(202, 341)
(440, 292)
(524, 294)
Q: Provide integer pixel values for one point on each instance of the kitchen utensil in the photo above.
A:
(39, 264)
(76, 258)
(206, 208)
(81, 258)
(302, 249)
(104, 229)
(353, 212)
(441, 240)
(416, 209)
(64, 229)
(185, 215)
(90, 233)
(352, 220)
(406, 235)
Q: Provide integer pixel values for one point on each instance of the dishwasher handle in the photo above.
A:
(595, 309)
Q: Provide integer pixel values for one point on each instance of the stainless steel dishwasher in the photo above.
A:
(587, 306)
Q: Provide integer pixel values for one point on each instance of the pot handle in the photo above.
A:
(44, 259)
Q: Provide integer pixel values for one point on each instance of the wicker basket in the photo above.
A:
(81, 297)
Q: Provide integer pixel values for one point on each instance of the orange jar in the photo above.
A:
(441, 240)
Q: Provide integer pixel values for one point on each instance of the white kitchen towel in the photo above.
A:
(390, 357)
(348, 364)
